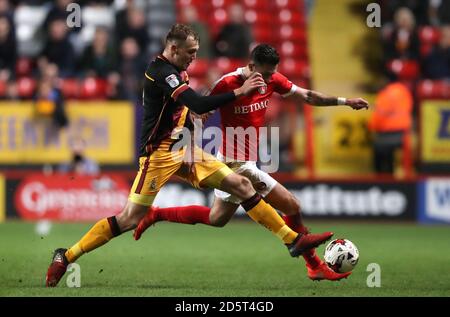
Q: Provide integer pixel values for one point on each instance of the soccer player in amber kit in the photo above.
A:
(248, 112)
(167, 100)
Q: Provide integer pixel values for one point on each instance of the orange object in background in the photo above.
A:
(45, 107)
(393, 108)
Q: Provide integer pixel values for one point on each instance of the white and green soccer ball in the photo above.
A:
(341, 255)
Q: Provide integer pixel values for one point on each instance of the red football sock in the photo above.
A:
(295, 223)
(187, 214)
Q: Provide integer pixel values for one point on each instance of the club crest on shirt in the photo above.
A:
(153, 184)
(172, 80)
(262, 90)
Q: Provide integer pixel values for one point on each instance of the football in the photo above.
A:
(341, 255)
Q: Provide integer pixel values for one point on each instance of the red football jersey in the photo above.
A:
(246, 114)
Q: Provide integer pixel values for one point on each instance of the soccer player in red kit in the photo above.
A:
(240, 154)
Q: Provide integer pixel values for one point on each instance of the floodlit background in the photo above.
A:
(71, 78)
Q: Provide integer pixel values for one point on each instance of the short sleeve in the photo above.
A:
(170, 81)
(283, 86)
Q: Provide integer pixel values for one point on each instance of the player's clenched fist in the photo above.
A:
(357, 103)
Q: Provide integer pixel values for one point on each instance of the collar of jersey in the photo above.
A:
(161, 56)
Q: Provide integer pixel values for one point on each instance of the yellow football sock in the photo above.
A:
(99, 234)
(265, 215)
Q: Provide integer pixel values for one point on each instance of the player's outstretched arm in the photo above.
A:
(202, 104)
(316, 98)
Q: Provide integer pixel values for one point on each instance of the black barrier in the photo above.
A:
(388, 201)
(327, 200)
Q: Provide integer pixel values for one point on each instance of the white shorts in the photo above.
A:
(262, 182)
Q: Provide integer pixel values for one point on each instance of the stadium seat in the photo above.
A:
(293, 68)
(433, 89)
(260, 5)
(70, 88)
(26, 87)
(198, 68)
(291, 33)
(222, 3)
(196, 83)
(93, 88)
(404, 69)
(226, 65)
(428, 36)
(292, 17)
(265, 35)
(289, 49)
(196, 3)
(258, 19)
(289, 4)
(3, 89)
(219, 17)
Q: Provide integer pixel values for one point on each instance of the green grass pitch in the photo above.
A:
(241, 259)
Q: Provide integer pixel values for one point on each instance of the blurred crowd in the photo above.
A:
(43, 58)
(104, 57)
(416, 39)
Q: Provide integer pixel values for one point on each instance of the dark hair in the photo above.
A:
(264, 54)
(180, 32)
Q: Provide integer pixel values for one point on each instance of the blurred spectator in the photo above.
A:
(131, 22)
(190, 17)
(437, 64)
(80, 164)
(419, 8)
(58, 11)
(58, 49)
(49, 103)
(8, 50)
(403, 40)
(439, 12)
(235, 37)
(390, 120)
(99, 59)
(7, 10)
(132, 62)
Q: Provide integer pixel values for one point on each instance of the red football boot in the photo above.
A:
(324, 272)
(306, 242)
(57, 268)
(148, 220)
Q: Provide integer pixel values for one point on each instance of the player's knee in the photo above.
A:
(243, 185)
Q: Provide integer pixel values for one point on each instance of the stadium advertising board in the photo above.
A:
(66, 197)
(434, 200)
(342, 143)
(435, 131)
(322, 200)
(106, 127)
